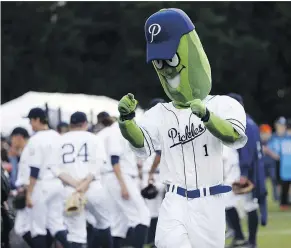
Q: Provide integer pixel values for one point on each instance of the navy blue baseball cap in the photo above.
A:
(61, 125)
(163, 31)
(155, 101)
(78, 118)
(36, 113)
(236, 97)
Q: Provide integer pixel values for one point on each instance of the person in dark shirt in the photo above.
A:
(252, 168)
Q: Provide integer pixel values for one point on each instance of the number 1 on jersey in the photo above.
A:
(206, 151)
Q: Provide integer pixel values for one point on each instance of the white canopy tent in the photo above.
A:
(12, 112)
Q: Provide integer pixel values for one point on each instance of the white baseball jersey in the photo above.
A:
(81, 153)
(191, 155)
(147, 163)
(42, 153)
(230, 165)
(23, 168)
(116, 145)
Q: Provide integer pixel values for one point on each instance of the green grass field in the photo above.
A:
(277, 234)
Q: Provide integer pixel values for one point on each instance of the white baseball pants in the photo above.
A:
(125, 213)
(22, 221)
(193, 223)
(47, 210)
(97, 206)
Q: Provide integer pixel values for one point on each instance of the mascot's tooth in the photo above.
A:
(174, 82)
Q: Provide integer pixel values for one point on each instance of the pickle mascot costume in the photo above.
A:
(190, 131)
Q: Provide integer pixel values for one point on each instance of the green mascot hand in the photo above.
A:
(220, 128)
(129, 129)
(198, 108)
(127, 105)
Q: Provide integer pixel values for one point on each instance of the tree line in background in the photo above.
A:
(99, 48)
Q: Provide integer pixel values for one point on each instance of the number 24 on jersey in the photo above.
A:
(69, 155)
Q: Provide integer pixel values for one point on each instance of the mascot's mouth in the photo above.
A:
(175, 81)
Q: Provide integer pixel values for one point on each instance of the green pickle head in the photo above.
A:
(176, 52)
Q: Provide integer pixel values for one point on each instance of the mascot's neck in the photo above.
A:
(179, 105)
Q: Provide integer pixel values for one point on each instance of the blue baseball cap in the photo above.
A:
(163, 31)
(78, 118)
(155, 101)
(36, 113)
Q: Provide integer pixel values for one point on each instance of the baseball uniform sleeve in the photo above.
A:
(114, 141)
(35, 157)
(149, 126)
(232, 111)
(23, 169)
(58, 167)
(226, 164)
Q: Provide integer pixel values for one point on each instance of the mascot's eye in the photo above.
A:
(159, 64)
(174, 61)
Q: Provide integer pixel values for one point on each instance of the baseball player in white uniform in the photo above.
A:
(190, 131)
(120, 175)
(231, 175)
(44, 195)
(81, 157)
(22, 223)
(151, 175)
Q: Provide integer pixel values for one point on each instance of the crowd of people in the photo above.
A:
(118, 215)
(277, 158)
(117, 212)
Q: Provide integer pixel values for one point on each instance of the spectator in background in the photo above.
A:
(4, 149)
(274, 144)
(288, 131)
(62, 127)
(280, 127)
(269, 162)
(7, 218)
(4, 143)
(281, 148)
(5, 161)
(19, 138)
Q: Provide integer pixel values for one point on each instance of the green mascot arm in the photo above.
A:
(221, 129)
(129, 129)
